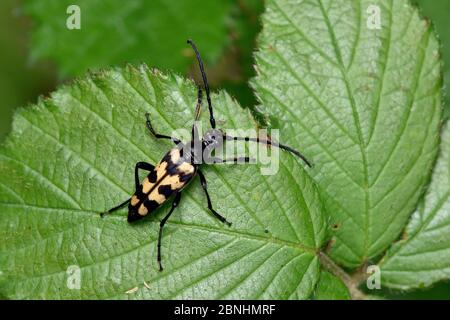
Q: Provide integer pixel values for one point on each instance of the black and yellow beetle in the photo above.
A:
(180, 165)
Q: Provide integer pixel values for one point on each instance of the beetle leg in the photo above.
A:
(120, 206)
(143, 166)
(175, 203)
(205, 188)
(157, 135)
(139, 165)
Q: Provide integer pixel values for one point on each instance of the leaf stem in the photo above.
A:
(352, 282)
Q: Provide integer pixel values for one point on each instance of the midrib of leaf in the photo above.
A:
(305, 128)
(237, 235)
(339, 65)
(11, 191)
(361, 144)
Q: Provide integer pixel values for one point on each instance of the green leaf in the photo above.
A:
(115, 32)
(422, 256)
(72, 156)
(364, 104)
(438, 11)
(330, 287)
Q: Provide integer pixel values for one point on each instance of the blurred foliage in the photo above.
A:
(20, 81)
(35, 39)
(115, 32)
(439, 291)
(243, 36)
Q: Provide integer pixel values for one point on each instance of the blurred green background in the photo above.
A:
(38, 52)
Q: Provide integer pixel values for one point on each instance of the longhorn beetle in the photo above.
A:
(178, 167)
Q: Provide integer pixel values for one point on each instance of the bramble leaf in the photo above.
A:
(355, 85)
(72, 156)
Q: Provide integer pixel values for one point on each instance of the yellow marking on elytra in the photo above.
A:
(175, 155)
(164, 179)
(186, 167)
(174, 182)
(134, 200)
(146, 185)
(156, 196)
(161, 170)
(142, 210)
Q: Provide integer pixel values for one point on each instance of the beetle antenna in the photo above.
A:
(198, 110)
(271, 143)
(205, 82)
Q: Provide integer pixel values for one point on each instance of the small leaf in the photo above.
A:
(330, 287)
(422, 257)
(72, 156)
(364, 103)
(115, 32)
